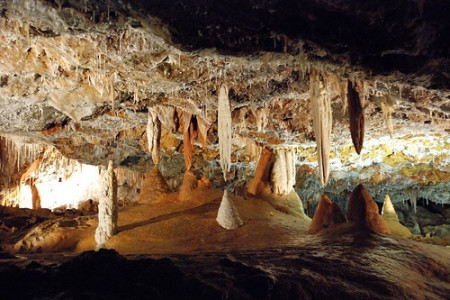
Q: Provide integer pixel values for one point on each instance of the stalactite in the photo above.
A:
(224, 130)
(107, 208)
(322, 123)
(202, 131)
(228, 215)
(153, 134)
(387, 115)
(187, 140)
(356, 117)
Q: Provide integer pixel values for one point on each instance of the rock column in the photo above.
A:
(107, 208)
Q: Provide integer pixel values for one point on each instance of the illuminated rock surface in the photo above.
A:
(139, 83)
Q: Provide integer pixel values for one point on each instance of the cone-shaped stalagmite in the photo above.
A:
(153, 186)
(363, 210)
(153, 134)
(107, 208)
(327, 214)
(322, 123)
(391, 218)
(228, 216)
(225, 131)
(356, 117)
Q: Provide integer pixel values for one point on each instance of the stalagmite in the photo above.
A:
(327, 214)
(356, 117)
(390, 216)
(189, 184)
(225, 131)
(283, 171)
(228, 216)
(262, 172)
(322, 123)
(364, 211)
(107, 208)
(153, 134)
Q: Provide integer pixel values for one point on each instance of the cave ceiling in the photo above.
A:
(81, 75)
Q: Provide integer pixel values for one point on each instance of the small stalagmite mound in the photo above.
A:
(154, 186)
(327, 214)
(228, 215)
(390, 216)
(363, 210)
(189, 184)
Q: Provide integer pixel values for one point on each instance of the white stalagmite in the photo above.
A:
(153, 134)
(225, 132)
(228, 216)
(107, 208)
(283, 171)
(388, 210)
(322, 123)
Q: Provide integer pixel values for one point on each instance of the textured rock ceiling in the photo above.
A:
(80, 74)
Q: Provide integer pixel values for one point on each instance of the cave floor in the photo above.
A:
(173, 249)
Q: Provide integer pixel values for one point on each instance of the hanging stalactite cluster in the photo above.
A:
(224, 128)
(153, 134)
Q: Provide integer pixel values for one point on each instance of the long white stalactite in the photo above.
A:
(322, 124)
(225, 130)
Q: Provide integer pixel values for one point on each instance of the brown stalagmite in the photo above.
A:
(356, 117)
(153, 186)
(363, 210)
(327, 214)
(322, 124)
(262, 172)
(107, 208)
(189, 184)
(321, 217)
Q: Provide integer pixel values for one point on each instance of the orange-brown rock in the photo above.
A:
(327, 214)
(363, 210)
(356, 117)
(262, 172)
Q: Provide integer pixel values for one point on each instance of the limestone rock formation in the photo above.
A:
(362, 210)
(356, 117)
(322, 124)
(107, 209)
(153, 135)
(283, 171)
(189, 184)
(390, 217)
(262, 172)
(153, 187)
(224, 130)
(327, 214)
(228, 215)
